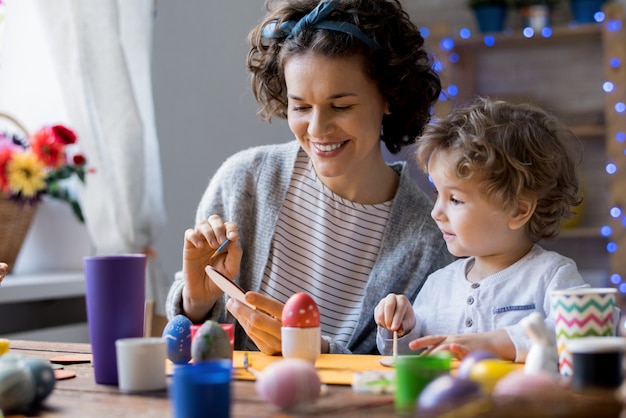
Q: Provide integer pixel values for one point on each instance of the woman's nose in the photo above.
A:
(320, 124)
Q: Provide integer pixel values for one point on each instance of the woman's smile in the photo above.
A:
(326, 148)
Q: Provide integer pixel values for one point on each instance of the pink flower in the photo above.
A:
(40, 166)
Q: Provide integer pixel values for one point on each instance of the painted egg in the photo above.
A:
(289, 383)
(17, 389)
(211, 342)
(519, 383)
(446, 393)
(471, 359)
(40, 370)
(301, 311)
(43, 377)
(487, 372)
(177, 334)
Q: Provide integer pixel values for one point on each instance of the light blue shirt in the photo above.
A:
(449, 304)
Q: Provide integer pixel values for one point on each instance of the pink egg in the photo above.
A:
(289, 383)
(519, 383)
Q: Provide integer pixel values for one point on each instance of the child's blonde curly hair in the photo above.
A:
(517, 150)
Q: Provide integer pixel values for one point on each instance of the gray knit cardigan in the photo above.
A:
(249, 189)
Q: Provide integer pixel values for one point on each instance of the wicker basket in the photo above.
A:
(15, 218)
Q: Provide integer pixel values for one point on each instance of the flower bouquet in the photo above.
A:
(32, 166)
(38, 165)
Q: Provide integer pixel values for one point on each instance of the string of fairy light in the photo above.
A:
(616, 212)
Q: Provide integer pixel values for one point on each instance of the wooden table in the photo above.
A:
(82, 397)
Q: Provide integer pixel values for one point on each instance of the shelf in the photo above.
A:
(510, 38)
(590, 130)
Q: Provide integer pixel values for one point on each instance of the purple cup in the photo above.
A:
(115, 298)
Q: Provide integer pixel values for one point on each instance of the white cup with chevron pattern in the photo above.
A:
(580, 313)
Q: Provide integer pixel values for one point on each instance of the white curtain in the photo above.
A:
(101, 50)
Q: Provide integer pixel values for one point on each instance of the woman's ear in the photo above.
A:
(525, 209)
(387, 111)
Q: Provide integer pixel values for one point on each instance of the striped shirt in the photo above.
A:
(325, 246)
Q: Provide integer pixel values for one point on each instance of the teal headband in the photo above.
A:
(316, 19)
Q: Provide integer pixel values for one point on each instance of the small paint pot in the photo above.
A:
(597, 362)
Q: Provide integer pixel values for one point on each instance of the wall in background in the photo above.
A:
(204, 108)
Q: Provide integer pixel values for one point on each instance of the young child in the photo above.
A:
(505, 178)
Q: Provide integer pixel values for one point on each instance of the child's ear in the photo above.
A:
(525, 209)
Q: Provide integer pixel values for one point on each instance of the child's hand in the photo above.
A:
(440, 343)
(496, 341)
(395, 313)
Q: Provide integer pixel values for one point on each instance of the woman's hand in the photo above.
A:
(395, 313)
(200, 293)
(263, 324)
(496, 341)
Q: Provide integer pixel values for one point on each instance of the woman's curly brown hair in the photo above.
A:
(516, 150)
(402, 68)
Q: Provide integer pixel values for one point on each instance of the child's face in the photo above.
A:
(471, 223)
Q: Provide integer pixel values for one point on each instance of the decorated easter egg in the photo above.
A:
(301, 311)
(177, 334)
(17, 389)
(471, 359)
(487, 372)
(446, 393)
(289, 383)
(211, 342)
(519, 383)
(26, 380)
(43, 377)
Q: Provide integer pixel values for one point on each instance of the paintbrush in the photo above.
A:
(246, 366)
(395, 346)
(219, 249)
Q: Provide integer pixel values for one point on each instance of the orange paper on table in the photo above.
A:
(333, 369)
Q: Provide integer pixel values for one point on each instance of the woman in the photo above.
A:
(324, 214)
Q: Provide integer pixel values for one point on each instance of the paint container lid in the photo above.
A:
(596, 345)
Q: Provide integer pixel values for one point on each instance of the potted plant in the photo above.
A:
(584, 10)
(32, 166)
(490, 14)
